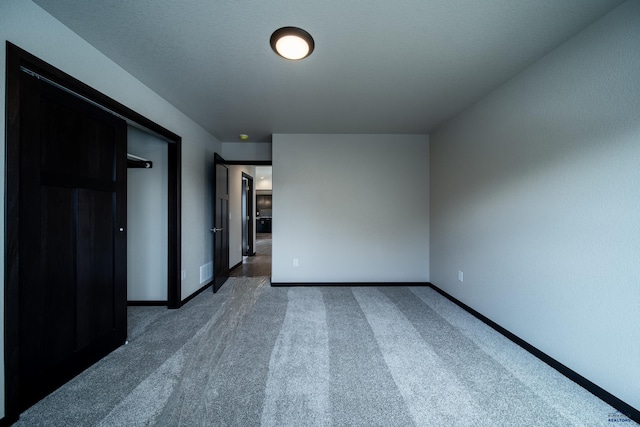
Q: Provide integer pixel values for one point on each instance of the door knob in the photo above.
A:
(216, 229)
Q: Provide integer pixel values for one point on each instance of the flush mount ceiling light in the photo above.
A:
(292, 43)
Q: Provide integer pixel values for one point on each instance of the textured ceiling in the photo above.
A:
(401, 66)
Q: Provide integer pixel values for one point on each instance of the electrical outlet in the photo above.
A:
(184, 274)
(295, 262)
(460, 276)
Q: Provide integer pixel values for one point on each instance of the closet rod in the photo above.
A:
(138, 162)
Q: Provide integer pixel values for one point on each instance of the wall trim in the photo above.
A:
(623, 407)
(7, 421)
(350, 284)
(249, 162)
(146, 303)
(236, 266)
(195, 294)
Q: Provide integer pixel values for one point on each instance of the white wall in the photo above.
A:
(246, 151)
(235, 211)
(147, 218)
(31, 28)
(535, 195)
(350, 208)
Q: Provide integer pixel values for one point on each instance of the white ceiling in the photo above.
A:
(379, 66)
(263, 178)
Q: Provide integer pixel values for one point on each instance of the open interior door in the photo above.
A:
(220, 228)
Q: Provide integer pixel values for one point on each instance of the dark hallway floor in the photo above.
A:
(258, 265)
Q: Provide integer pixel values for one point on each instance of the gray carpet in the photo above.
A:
(317, 356)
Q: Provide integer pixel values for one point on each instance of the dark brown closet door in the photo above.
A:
(72, 241)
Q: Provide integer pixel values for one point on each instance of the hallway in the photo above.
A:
(258, 265)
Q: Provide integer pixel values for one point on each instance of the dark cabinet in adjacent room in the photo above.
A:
(263, 225)
(263, 202)
(263, 218)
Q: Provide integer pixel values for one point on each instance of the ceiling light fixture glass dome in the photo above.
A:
(292, 43)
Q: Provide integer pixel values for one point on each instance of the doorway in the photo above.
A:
(66, 261)
(72, 274)
(259, 263)
(247, 215)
